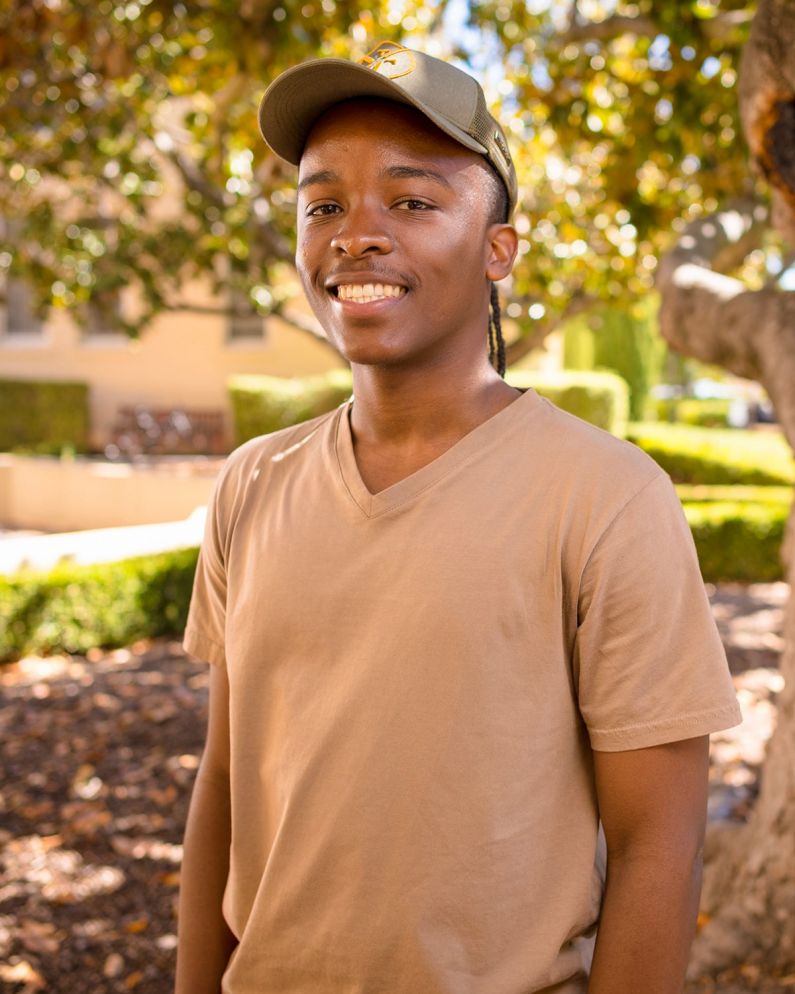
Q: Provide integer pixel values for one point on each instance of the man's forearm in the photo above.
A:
(205, 942)
(647, 924)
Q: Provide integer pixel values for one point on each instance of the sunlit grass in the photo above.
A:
(765, 455)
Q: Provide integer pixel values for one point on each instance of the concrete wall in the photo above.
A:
(181, 360)
(55, 495)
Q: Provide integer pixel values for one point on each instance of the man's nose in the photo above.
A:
(361, 234)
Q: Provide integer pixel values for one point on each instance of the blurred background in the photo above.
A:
(151, 320)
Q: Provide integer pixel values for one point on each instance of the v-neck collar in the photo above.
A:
(372, 505)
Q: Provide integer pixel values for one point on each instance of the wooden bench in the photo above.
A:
(142, 430)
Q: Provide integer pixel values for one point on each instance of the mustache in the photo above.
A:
(373, 274)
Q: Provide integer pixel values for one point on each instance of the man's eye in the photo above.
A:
(322, 210)
(414, 205)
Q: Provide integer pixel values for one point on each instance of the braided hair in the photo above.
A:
(496, 340)
(498, 215)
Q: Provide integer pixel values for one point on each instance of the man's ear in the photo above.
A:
(503, 243)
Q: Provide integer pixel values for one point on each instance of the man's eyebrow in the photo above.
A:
(415, 172)
(321, 176)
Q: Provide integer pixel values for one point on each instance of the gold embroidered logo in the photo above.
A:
(500, 143)
(390, 60)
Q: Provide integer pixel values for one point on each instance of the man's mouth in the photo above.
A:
(366, 293)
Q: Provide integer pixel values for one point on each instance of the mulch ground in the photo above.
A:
(99, 755)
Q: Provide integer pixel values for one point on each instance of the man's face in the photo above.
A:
(395, 247)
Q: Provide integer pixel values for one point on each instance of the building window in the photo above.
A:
(243, 322)
(20, 310)
(102, 314)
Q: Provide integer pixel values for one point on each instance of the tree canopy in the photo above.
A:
(623, 118)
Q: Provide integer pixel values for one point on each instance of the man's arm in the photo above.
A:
(205, 941)
(652, 804)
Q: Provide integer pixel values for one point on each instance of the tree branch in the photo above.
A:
(517, 350)
(305, 325)
(719, 241)
(611, 27)
(192, 176)
(641, 25)
(725, 23)
(297, 321)
(707, 314)
(767, 106)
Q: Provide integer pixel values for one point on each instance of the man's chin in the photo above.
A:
(363, 348)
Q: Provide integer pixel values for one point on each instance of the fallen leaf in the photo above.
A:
(114, 964)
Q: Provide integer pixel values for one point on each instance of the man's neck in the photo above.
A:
(401, 423)
(400, 410)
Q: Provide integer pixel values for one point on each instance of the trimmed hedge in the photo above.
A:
(700, 494)
(74, 608)
(706, 413)
(602, 398)
(738, 540)
(43, 417)
(262, 404)
(712, 456)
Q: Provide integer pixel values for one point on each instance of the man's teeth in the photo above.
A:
(365, 293)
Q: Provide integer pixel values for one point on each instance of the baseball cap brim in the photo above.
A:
(297, 98)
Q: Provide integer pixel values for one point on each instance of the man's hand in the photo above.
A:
(652, 804)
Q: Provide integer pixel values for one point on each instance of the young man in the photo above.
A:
(452, 629)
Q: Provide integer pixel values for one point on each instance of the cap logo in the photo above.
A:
(500, 143)
(390, 60)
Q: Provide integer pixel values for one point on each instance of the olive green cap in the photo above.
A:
(447, 96)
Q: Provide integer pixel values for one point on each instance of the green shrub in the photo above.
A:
(738, 541)
(602, 398)
(623, 340)
(43, 417)
(713, 456)
(737, 531)
(738, 494)
(262, 404)
(692, 411)
(627, 342)
(73, 608)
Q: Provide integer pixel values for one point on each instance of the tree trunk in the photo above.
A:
(749, 889)
(748, 901)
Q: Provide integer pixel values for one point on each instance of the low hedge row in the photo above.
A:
(262, 404)
(737, 540)
(600, 397)
(73, 608)
(706, 413)
(43, 417)
(701, 494)
(711, 456)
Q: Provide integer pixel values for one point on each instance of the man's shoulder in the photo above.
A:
(262, 449)
(572, 447)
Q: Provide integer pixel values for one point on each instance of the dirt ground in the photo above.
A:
(99, 756)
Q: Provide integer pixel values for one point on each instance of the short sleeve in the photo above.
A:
(649, 664)
(204, 632)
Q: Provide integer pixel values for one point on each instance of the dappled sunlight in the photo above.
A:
(36, 865)
(100, 757)
(102, 754)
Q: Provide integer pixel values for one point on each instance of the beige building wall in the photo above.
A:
(181, 360)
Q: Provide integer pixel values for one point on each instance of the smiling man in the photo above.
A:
(463, 663)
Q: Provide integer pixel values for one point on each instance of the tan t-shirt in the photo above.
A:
(417, 680)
